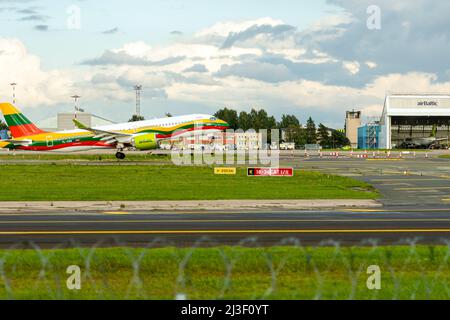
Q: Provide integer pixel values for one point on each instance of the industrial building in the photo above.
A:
(352, 123)
(369, 136)
(415, 121)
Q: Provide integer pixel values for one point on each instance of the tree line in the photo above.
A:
(294, 130)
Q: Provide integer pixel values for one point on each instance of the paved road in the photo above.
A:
(392, 226)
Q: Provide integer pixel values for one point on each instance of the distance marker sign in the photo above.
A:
(270, 172)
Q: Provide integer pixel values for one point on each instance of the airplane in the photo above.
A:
(141, 135)
(422, 143)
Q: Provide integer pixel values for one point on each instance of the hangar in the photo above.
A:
(420, 121)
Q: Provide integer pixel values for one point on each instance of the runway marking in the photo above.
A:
(385, 159)
(422, 188)
(116, 212)
(392, 210)
(221, 220)
(150, 232)
(408, 179)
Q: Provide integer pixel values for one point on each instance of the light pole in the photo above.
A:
(138, 89)
(13, 85)
(75, 97)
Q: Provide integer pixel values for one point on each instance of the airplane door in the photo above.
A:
(49, 141)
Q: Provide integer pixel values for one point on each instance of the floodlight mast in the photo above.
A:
(138, 89)
(13, 85)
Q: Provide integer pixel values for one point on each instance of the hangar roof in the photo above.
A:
(413, 104)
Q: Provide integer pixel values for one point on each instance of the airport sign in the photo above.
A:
(270, 172)
(225, 171)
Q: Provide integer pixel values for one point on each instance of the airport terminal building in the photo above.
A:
(413, 117)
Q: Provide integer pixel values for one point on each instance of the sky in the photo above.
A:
(307, 58)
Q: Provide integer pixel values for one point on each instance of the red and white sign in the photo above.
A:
(270, 172)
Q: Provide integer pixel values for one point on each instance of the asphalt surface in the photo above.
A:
(412, 182)
(347, 227)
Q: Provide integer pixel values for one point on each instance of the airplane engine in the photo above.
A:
(145, 142)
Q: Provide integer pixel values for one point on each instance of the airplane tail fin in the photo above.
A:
(434, 132)
(19, 125)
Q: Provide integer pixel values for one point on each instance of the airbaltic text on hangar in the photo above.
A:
(428, 103)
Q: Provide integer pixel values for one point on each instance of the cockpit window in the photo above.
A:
(213, 119)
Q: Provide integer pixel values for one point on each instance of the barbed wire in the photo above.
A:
(114, 269)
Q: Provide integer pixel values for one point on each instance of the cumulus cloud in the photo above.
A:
(36, 87)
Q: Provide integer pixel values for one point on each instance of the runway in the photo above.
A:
(347, 227)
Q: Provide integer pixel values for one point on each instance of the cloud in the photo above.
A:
(35, 17)
(123, 58)
(266, 72)
(36, 87)
(111, 31)
(41, 27)
(199, 68)
(255, 30)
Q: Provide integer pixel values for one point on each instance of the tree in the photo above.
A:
(245, 121)
(136, 118)
(229, 116)
(339, 140)
(311, 132)
(169, 115)
(3, 126)
(287, 121)
(296, 134)
(324, 136)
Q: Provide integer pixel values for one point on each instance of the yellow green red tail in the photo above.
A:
(19, 125)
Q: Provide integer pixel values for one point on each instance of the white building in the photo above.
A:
(414, 116)
(64, 121)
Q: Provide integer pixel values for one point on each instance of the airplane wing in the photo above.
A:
(105, 135)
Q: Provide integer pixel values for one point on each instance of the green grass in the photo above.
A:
(445, 156)
(167, 182)
(84, 157)
(297, 273)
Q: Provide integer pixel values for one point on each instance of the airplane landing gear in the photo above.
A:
(120, 155)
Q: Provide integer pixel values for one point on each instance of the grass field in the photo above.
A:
(227, 273)
(129, 183)
(85, 157)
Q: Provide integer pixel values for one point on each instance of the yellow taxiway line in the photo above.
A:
(220, 221)
(422, 188)
(150, 232)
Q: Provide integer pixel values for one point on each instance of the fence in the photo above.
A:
(112, 269)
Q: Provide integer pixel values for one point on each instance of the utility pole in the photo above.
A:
(13, 85)
(138, 89)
